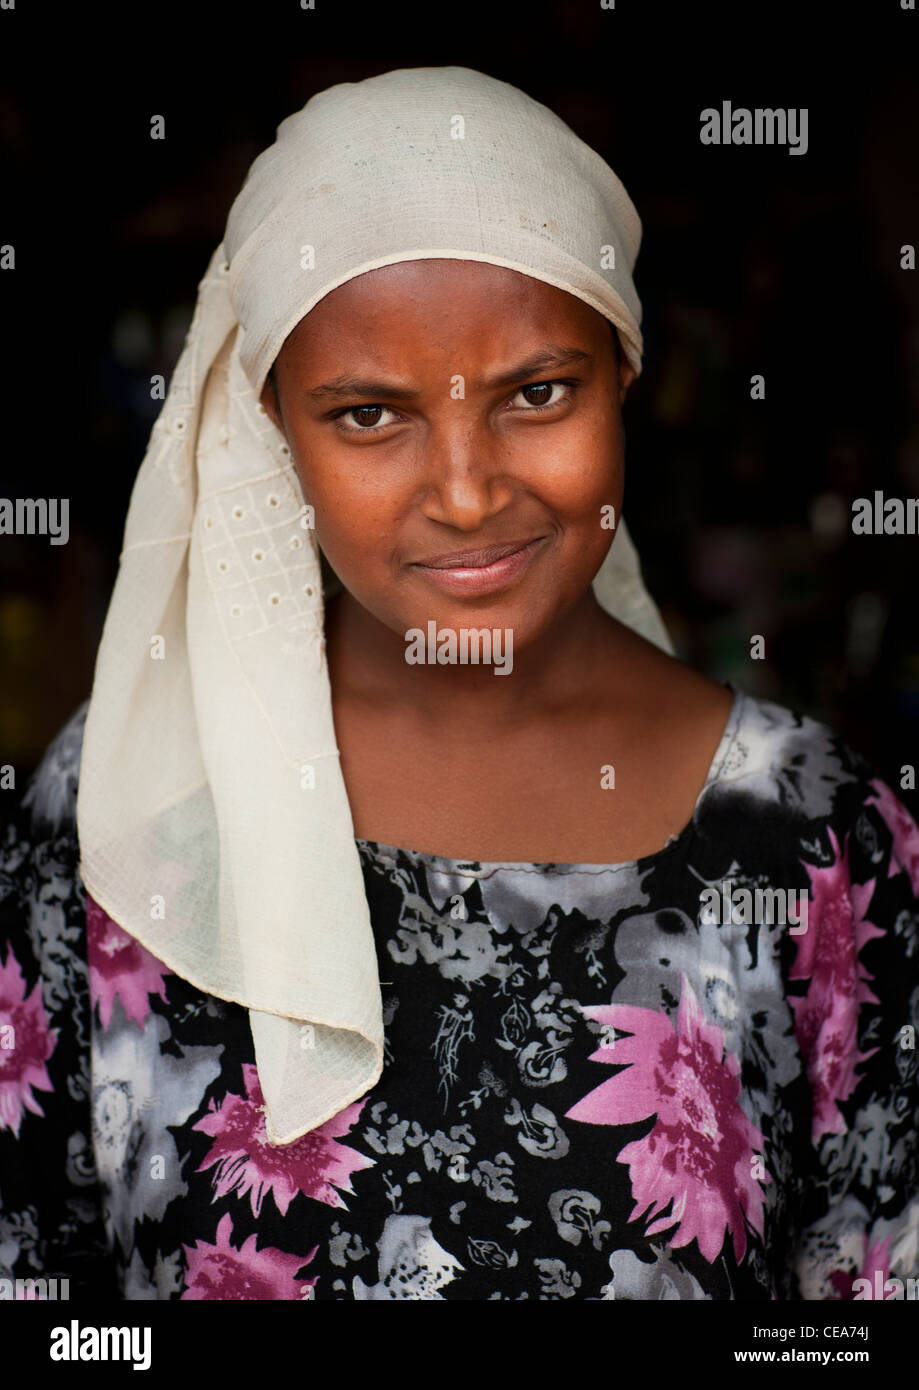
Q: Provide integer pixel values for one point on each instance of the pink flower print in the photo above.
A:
(119, 965)
(26, 1043)
(903, 829)
(700, 1152)
(826, 1018)
(876, 1262)
(246, 1162)
(245, 1275)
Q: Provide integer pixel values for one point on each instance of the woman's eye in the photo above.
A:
(367, 418)
(542, 391)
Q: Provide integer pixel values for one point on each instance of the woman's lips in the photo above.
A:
(482, 579)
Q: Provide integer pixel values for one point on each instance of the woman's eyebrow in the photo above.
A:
(549, 358)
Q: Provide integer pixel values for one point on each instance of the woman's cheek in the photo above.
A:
(574, 471)
(358, 551)
(587, 505)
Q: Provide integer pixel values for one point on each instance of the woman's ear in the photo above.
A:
(269, 402)
(624, 369)
(627, 375)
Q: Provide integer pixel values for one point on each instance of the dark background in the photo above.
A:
(753, 260)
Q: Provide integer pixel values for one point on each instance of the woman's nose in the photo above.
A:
(466, 476)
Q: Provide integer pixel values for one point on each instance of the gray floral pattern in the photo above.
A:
(593, 1087)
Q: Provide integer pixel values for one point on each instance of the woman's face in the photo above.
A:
(430, 411)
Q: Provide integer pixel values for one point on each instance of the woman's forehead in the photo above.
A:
(378, 299)
(442, 276)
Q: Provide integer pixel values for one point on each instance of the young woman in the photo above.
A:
(400, 919)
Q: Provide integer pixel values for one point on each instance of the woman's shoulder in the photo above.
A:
(792, 774)
(50, 1214)
(777, 775)
(756, 774)
(780, 753)
(49, 802)
(42, 901)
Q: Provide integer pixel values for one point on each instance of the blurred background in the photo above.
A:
(754, 260)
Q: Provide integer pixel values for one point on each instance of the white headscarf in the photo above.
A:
(213, 819)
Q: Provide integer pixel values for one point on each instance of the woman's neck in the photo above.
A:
(367, 662)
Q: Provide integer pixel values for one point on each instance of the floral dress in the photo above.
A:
(629, 1081)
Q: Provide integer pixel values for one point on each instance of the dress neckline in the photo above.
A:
(479, 868)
